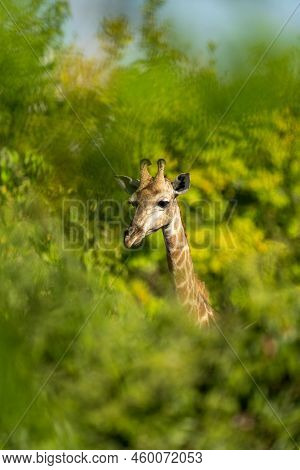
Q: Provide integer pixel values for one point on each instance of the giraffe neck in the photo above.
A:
(191, 291)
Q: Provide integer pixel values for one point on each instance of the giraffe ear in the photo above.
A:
(181, 184)
(128, 184)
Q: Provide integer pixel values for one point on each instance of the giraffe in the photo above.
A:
(156, 207)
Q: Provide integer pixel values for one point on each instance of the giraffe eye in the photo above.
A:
(162, 204)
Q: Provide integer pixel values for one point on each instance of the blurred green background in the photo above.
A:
(134, 371)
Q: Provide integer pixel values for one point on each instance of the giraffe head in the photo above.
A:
(154, 200)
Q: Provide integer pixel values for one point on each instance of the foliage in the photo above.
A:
(122, 365)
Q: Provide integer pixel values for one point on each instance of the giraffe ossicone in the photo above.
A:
(156, 207)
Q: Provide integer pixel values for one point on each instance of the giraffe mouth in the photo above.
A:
(133, 237)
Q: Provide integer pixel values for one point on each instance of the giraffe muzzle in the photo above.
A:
(133, 237)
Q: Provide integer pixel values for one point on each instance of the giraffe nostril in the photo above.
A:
(130, 231)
